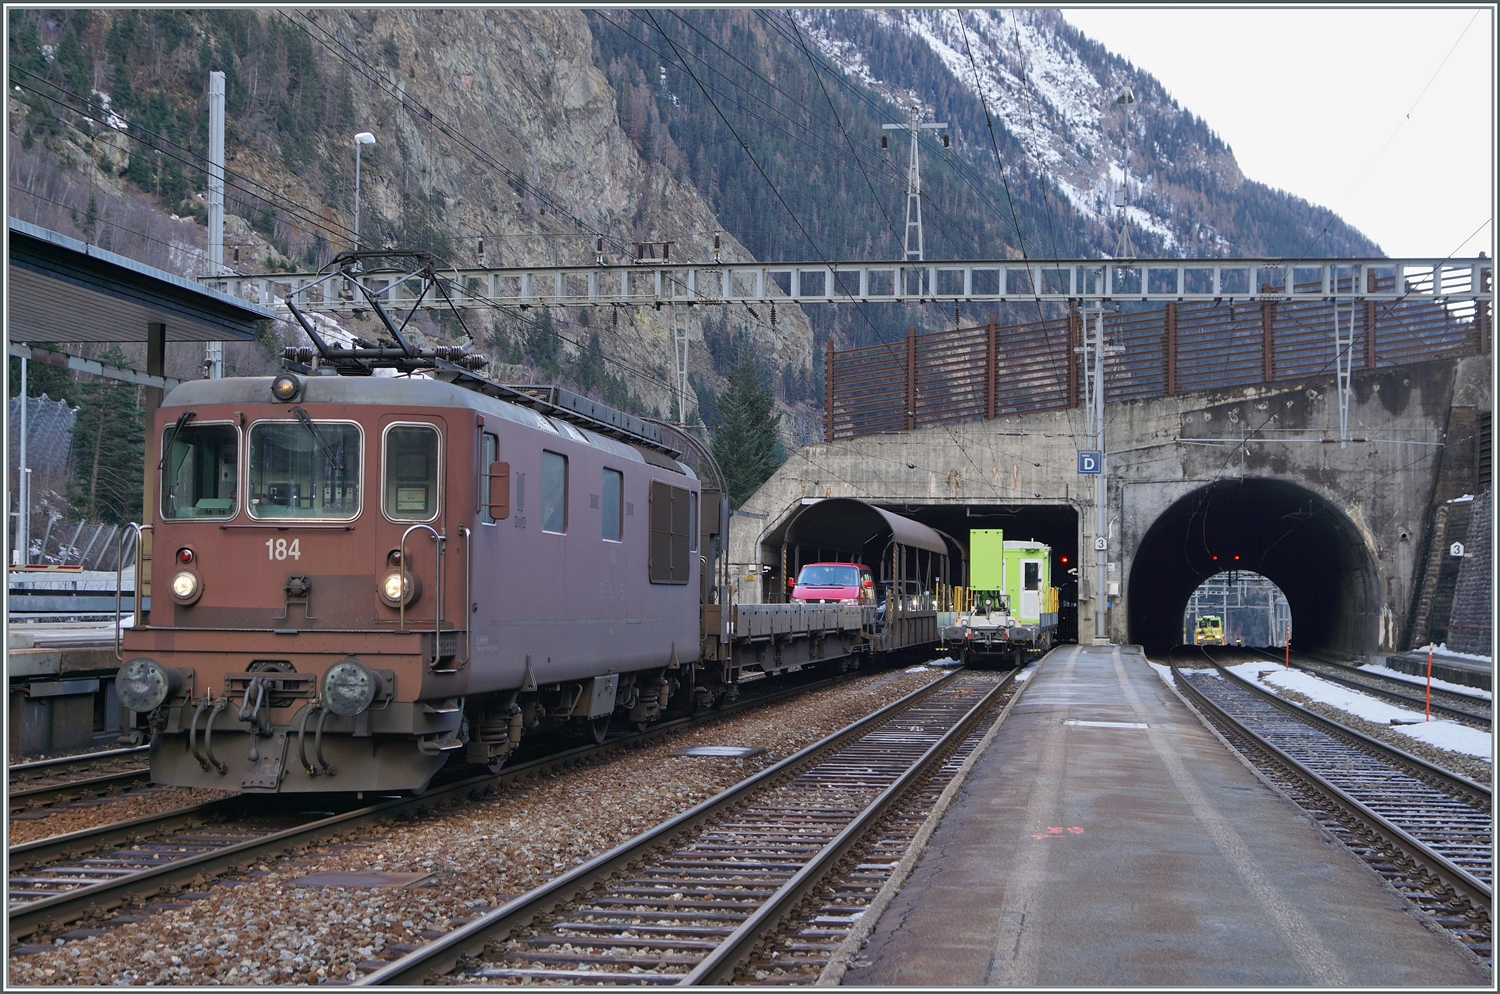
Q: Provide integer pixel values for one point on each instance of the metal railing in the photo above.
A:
(1001, 280)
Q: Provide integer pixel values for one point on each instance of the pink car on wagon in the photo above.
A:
(834, 583)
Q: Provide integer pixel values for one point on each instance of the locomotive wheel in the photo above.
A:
(599, 728)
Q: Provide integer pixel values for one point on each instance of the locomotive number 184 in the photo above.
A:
(280, 548)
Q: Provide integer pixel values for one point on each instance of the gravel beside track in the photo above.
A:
(75, 816)
(261, 929)
(1474, 768)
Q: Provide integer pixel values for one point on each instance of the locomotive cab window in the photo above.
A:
(200, 471)
(411, 472)
(304, 469)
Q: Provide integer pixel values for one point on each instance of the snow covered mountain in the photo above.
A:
(1053, 92)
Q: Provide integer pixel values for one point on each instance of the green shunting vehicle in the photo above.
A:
(1010, 607)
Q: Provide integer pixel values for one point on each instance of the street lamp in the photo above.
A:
(363, 138)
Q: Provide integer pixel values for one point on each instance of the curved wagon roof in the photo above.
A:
(846, 524)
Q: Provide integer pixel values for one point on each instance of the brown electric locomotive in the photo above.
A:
(356, 577)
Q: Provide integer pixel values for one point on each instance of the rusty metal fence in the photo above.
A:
(994, 370)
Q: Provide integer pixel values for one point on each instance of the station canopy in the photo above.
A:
(846, 524)
(65, 290)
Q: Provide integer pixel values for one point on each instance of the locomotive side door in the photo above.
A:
(413, 497)
(1031, 584)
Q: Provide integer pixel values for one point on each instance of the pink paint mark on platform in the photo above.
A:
(1058, 832)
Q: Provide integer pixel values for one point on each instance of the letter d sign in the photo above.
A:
(1089, 462)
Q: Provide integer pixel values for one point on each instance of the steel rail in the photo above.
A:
(1458, 714)
(718, 966)
(1454, 877)
(71, 905)
(1450, 781)
(86, 757)
(442, 955)
(51, 791)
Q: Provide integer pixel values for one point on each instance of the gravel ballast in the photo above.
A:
(477, 854)
(65, 818)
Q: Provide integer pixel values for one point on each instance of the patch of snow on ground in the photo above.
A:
(1437, 684)
(1438, 732)
(1443, 650)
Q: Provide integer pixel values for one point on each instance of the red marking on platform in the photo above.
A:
(1058, 832)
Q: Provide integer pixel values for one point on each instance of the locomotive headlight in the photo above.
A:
(286, 387)
(398, 587)
(186, 587)
(350, 687)
(143, 684)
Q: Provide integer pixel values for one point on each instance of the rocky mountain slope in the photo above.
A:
(494, 128)
(511, 135)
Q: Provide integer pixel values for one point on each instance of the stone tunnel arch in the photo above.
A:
(1303, 543)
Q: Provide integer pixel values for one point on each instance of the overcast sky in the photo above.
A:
(1308, 98)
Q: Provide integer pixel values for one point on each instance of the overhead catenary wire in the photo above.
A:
(792, 132)
(1332, 217)
(193, 160)
(422, 113)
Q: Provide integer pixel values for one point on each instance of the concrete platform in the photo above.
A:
(1105, 854)
(1454, 669)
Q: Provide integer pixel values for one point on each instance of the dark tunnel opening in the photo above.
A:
(1286, 533)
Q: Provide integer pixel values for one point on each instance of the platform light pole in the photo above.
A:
(360, 140)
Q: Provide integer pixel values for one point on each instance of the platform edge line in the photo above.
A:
(838, 961)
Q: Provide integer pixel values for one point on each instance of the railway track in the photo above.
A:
(769, 875)
(1425, 830)
(93, 774)
(1465, 708)
(58, 880)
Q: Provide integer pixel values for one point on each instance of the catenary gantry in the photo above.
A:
(1000, 281)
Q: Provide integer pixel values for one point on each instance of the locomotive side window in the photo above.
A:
(411, 472)
(670, 517)
(554, 492)
(199, 471)
(612, 507)
(692, 521)
(304, 469)
(489, 452)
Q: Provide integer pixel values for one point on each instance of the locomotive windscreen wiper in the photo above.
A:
(166, 445)
(333, 460)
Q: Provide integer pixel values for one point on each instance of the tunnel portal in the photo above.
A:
(1286, 533)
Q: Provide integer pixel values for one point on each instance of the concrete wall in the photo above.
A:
(1382, 489)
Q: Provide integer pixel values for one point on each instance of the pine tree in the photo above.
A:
(745, 441)
(108, 449)
(44, 378)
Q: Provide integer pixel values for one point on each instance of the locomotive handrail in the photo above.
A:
(139, 530)
(437, 614)
(468, 535)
